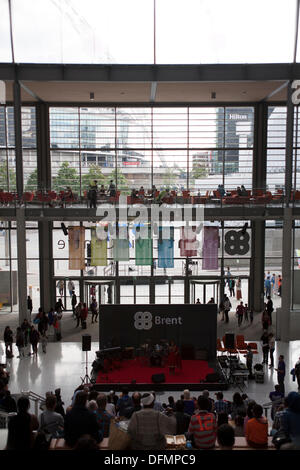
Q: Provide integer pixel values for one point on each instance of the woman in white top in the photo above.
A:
(271, 349)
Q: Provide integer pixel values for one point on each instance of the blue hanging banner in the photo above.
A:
(165, 249)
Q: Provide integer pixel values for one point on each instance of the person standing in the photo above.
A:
(83, 315)
(94, 310)
(269, 308)
(297, 372)
(78, 313)
(20, 342)
(249, 361)
(29, 305)
(279, 285)
(25, 327)
(238, 289)
(44, 342)
(273, 282)
(272, 349)
(228, 276)
(8, 340)
(34, 338)
(240, 313)
(74, 302)
(281, 373)
(93, 195)
(268, 285)
(246, 311)
(265, 346)
(227, 307)
(71, 287)
(231, 286)
(60, 285)
(265, 319)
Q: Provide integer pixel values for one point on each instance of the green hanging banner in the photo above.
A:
(121, 249)
(143, 252)
(98, 250)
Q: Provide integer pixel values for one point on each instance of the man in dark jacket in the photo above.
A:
(79, 421)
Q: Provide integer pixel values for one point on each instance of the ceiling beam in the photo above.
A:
(30, 92)
(274, 92)
(149, 73)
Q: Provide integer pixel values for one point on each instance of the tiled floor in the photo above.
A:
(64, 364)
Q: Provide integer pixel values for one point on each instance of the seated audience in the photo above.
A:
(79, 421)
(157, 405)
(182, 418)
(171, 403)
(136, 405)
(222, 418)
(203, 425)
(86, 442)
(123, 402)
(277, 418)
(290, 421)
(238, 406)
(110, 407)
(50, 421)
(221, 190)
(243, 191)
(249, 414)
(239, 426)
(221, 405)
(103, 418)
(257, 429)
(148, 427)
(189, 405)
(225, 437)
(205, 393)
(59, 403)
(21, 427)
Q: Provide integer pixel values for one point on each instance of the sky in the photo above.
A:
(122, 31)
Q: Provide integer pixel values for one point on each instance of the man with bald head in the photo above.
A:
(136, 405)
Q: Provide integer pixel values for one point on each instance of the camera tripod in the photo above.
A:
(86, 379)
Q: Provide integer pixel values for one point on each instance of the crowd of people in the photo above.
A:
(205, 421)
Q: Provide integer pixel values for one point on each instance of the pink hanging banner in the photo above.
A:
(188, 243)
(210, 248)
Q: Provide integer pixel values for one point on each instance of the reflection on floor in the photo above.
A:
(64, 364)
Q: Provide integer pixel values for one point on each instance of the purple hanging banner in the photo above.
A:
(210, 248)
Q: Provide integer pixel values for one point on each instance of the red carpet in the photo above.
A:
(191, 372)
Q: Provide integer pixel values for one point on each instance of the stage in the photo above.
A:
(138, 377)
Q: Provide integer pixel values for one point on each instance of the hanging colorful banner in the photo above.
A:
(188, 242)
(121, 249)
(98, 250)
(210, 248)
(165, 249)
(143, 252)
(76, 248)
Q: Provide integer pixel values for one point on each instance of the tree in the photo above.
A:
(170, 177)
(95, 173)
(66, 176)
(199, 171)
(31, 184)
(10, 183)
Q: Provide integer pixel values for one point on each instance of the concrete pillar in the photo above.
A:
(284, 313)
(22, 264)
(257, 266)
(47, 296)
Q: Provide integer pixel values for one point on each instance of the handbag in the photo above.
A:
(280, 438)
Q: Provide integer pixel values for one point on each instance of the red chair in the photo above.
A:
(28, 197)
(240, 344)
(219, 346)
(231, 351)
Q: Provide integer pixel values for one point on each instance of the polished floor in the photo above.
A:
(63, 366)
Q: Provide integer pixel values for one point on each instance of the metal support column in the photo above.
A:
(18, 138)
(257, 266)
(43, 153)
(284, 313)
(47, 295)
(257, 263)
(22, 264)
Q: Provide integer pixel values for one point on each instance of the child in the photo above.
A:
(44, 343)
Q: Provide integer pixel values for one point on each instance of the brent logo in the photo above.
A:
(143, 320)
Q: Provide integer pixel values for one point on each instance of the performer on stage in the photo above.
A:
(173, 358)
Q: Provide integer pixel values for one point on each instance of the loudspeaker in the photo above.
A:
(86, 342)
(64, 229)
(158, 378)
(229, 341)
